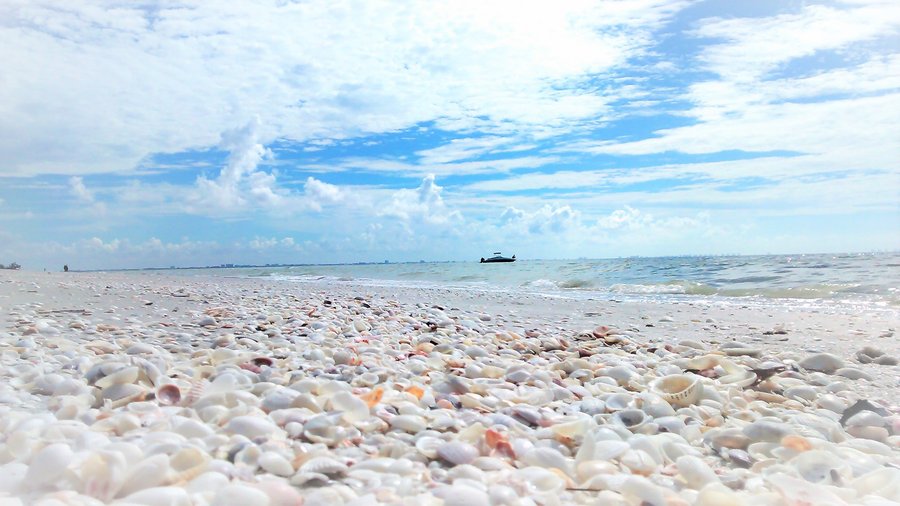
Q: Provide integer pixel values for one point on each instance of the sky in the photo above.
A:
(182, 133)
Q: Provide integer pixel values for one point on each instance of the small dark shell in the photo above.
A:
(263, 361)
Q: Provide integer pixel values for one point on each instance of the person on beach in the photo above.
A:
(66, 268)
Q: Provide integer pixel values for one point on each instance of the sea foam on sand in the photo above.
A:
(148, 389)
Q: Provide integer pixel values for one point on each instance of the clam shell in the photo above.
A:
(678, 389)
(168, 395)
(456, 452)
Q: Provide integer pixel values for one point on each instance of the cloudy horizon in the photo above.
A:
(200, 133)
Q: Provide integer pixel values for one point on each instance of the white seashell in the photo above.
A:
(805, 393)
(462, 495)
(274, 463)
(456, 452)
(822, 362)
(353, 408)
(251, 426)
(409, 423)
(160, 496)
(883, 482)
(120, 377)
(208, 482)
(639, 461)
(547, 458)
(640, 490)
(48, 465)
(631, 419)
(324, 465)
(865, 418)
(818, 466)
(428, 446)
(609, 450)
(695, 472)
(678, 389)
(236, 494)
(151, 472)
(767, 431)
(540, 481)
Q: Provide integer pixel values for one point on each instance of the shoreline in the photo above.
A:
(305, 335)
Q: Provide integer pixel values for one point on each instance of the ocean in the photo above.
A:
(852, 280)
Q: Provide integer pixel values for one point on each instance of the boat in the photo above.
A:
(498, 258)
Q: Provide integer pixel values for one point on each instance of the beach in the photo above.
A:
(152, 388)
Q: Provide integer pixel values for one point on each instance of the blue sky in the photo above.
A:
(196, 133)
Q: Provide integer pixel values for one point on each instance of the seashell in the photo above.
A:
(324, 465)
(274, 463)
(409, 423)
(817, 466)
(546, 458)
(237, 494)
(608, 450)
(462, 495)
(767, 431)
(678, 389)
(805, 393)
(797, 491)
(456, 452)
(883, 482)
(251, 426)
(122, 376)
(853, 373)
(695, 472)
(169, 496)
(639, 462)
(48, 465)
(540, 481)
(150, 472)
(865, 418)
(168, 394)
(353, 408)
(822, 362)
(629, 418)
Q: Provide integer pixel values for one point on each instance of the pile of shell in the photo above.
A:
(280, 399)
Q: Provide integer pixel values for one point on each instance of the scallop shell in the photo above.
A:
(678, 389)
(324, 465)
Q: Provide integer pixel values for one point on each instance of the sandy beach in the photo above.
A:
(145, 388)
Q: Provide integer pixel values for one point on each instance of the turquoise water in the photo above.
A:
(859, 278)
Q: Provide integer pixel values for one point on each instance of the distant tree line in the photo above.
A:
(14, 266)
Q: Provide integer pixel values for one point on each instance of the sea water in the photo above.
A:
(872, 280)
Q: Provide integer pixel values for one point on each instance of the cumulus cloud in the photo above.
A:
(424, 204)
(319, 193)
(76, 184)
(545, 220)
(239, 184)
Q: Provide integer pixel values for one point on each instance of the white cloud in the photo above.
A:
(319, 193)
(76, 184)
(423, 204)
(238, 183)
(172, 77)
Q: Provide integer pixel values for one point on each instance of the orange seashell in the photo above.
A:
(374, 397)
(798, 443)
(416, 391)
(506, 449)
(444, 404)
(493, 437)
